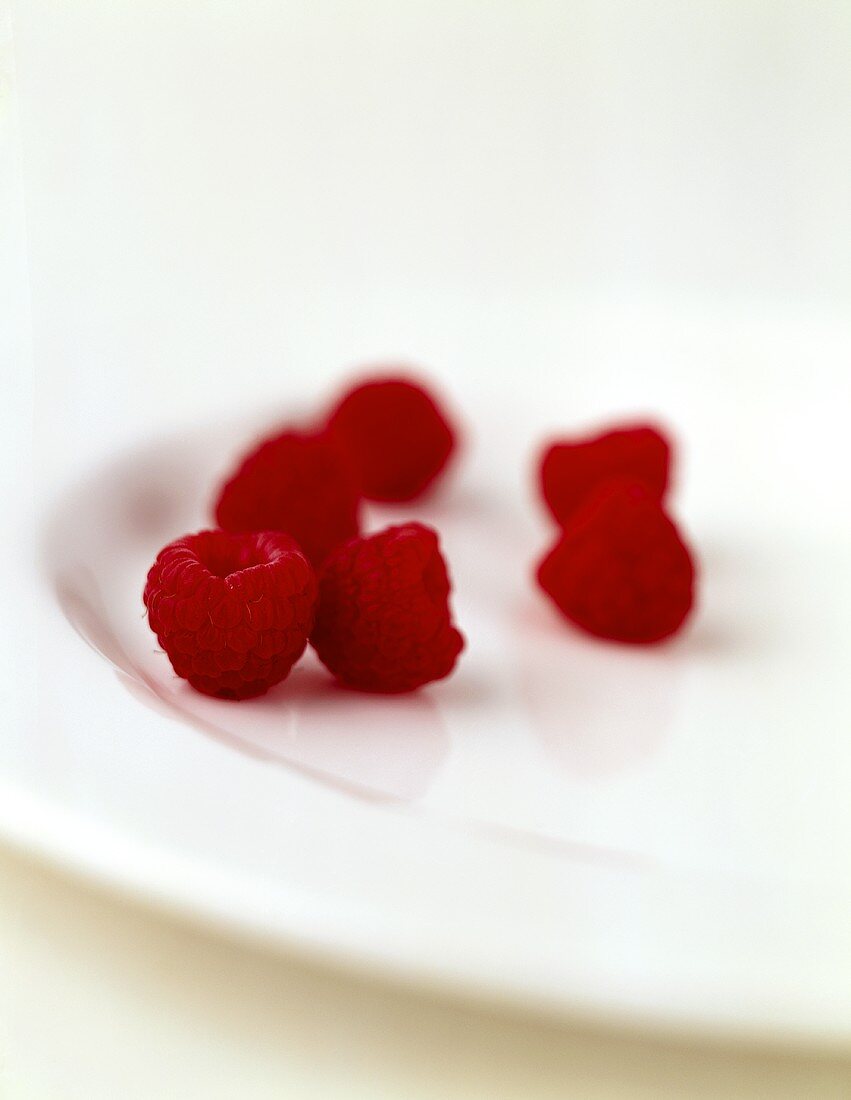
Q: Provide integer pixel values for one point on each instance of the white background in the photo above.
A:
(217, 195)
(220, 193)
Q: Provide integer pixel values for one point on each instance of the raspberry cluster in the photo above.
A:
(619, 568)
(294, 481)
(383, 621)
(396, 437)
(234, 607)
(572, 468)
(232, 611)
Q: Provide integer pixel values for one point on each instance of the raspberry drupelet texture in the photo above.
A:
(620, 570)
(396, 436)
(570, 469)
(232, 611)
(383, 622)
(297, 482)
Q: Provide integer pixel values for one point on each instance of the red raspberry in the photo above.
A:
(383, 620)
(570, 469)
(396, 437)
(296, 482)
(232, 611)
(620, 570)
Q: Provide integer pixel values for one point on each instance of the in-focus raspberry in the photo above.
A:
(397, 437)
(571, 469)
(296, 482)
(232, 611)
(383, 622)
(620, 570)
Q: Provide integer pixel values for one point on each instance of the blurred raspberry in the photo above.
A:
(396, 436)
(620, 570)
(383, 621)
(570, 469)
(232, 611)
(296, 482)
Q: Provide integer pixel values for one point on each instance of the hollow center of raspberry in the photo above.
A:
(227, 556)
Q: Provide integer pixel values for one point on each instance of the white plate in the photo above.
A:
(657, 836)
(567, 212)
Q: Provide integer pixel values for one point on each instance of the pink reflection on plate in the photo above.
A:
(466, 750)
(99, 547)
(597, 708)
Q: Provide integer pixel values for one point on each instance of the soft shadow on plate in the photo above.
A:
(603, 708)
(597, 709)
(113, 522)
(384, 747)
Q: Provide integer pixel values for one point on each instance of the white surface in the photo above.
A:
(634, 835)
(629, 208)
(103, 1000)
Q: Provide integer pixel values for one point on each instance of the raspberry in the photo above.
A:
(571, 469)
(296, 482)
(396, 437)
(620, 570)
(232, 611)
(383, 620)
